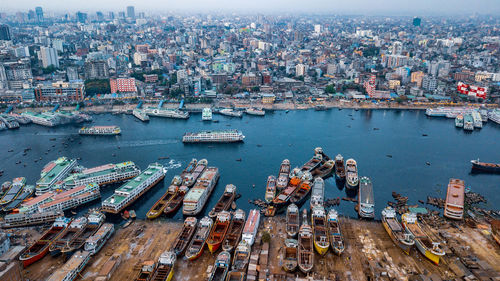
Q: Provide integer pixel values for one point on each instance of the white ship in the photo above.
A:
(71, 198)
(255, 111)
(141, 115)
(168, 113)
(230, 112)
(494, 116)
(251, 227)
(95, 242)
(476, 117)
(449, 112)
(105, 174)
(214, 136)
(318, 193)
(100, 130)
(206, 114)
(197, 197)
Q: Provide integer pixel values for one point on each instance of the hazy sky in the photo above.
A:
(389, 7)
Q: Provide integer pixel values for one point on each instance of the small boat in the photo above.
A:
(146, 271)
(313, 163)
(41, 247)
(290, 256)
(485, 167)
(184, 237)
(241, 257)
(197, 244)
(320, 230)
(425, 245)
(190, 180)
(292, 220)
(189, 169)
(75, 229)
(283, 175)
(270, 189)
(234, 232)
(176, 201)
(235, 276)
(221, 267)
(339, 168)
(160, 205)
(300, 194)
(164, 270)
(219, 230)
(336, 237)
(318, 193)
(395, 230)
(224, 202)
(95, 220)
(352, 180)
(284, 195)
(306, 252)
(325, 170)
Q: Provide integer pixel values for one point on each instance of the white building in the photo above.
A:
(48, 57)
(300, 69)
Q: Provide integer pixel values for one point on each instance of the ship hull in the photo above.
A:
(322, 250)
(153, 214)
(213, 247)
(351, 185)
(483, 168)
(428, 254)
(402, 246)
(31, 260)
(197, 255)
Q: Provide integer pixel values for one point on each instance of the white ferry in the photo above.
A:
(53, 172)
(214, 136)
(168, 113)
(206, 114)
(71, 198)
(141, 115)
(449, 112)
(133, 189)
(251, 227)
(255, 111)
(230, 112)
(476, 117)
(100, 130)
(494, 116)
(42, 119)
(94, 243)
(197, 197)
(105, 174)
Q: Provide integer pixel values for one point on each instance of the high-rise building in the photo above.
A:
(416, 21)
(96, 69)
(111, 15)
(15, 74)
(429, 83)
(5, 32)
(72, 73)
(39, 14)
(370, 85)
(131, 12)
(300, 70)
(49, 57)
(99, 16)
(81, 17)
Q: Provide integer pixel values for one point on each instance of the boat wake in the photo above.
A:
(139, 143)
(172, 164)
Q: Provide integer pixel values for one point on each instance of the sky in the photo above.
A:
(379, 7)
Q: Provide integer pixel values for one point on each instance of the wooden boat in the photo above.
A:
(291, 253)
(197, 244)
(236, 276)
(270, 189)
(320, 230)
(190, 180)
(224, 202)
(184, 237)
(395, 230)
(41, 247)
(74, 229)
(221, 267)
(325, 170)
(146, 271)
(300, 194)
(189, 169)
(164, 270)
(312, 164)
(425, 245)
(292, 220)
(233, 234)
(219, 230)
(283, 175)
(336, 237)
(160, 205)
(339, 168)
(284, 196)
(317, 193)
(241, 257)
(176, 201)
(95, 220)
(306, 256)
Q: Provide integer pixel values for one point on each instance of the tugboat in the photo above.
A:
(425, 245)
(233, 235)
(339, 168)
(224, 202)
(164, 270)
(306, 255)
(398, 235)
(284, 175)
(352, 180)
(221, 267)
(300, 195)
(291, 253)
(160, 205)
(75, 229)
(95, 220)
(195, 248)
(176, 201)
(318, 192)
(270, 189)
(182, 240)
(218, 231)
(336, 237)
(146, 271)
(320, 230)
(241, 257)
(292, 220)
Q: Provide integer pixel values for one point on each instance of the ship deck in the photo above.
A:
(53, 172)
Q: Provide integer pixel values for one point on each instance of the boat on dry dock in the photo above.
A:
(290, 255)
(306, 252)
(160, 205)
(197, 244)
(251, 227)
(339, 168)
(75, 229)
(184, 236)
(454, 204)
(425, 244)
(190, 179)
(283, 175)
(164, 270)
(219, 230)
(146, 271)
(292, 220)
(320, 230)
(72, 268)
(241, 257)
(270, 189)
(300, 194)
(283, 196)
(318, 192)
(225, 201)
(95, 242)
(235, 276)
(175, 202)
(221, 267)
(366, 203)
(95, 220)
(335, 233)
(234, 232)
(352, 179)
(395, 230)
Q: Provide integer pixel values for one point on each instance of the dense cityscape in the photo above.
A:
(125, 154)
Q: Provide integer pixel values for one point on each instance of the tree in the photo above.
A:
(49, 69)
(97, 86)
(330, 89)
(266, 237)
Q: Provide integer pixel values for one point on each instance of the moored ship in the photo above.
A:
(164, 270)
(231, 113)
(251, 227)
(270, 189)
(104, 174)
(300, 194)
(352, 180)
(167, 113)
(94, 221)
(468, 122)
(306, 252)
(425, 245)
(175, 202)
(494, 115)
(206, 114)
(74, 229)
(219, 230)
(141, 115)
(197, 244)
(100, 130)
(284, 196)
(53, 172)
(312, 164)
(95, 242)
(395, 230)
(133, 189)
(366, 203)
(160, 205)
(292, 220)
(325, 170)
(214, 136)
(485, 167)
(41, 247)
(225, 201)
(13, 190)
(339, 168)
(284, 175)
(476, 119)
(184, 237)
(255, 111)
(190, 179)
(26, 192)
(318, 192)
(290, 255)
(454, 204)
(197, 197)
(459, 121)
(320, 230)
(335, 233)
(241, 257)
(234, 232)
(221, 267)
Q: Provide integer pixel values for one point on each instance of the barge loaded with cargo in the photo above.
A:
(197, 244)
(425, 245)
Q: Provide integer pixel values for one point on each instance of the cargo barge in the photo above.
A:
(290, 255)
(292, 220)
(218, 232)
(306, 252)
(95, 220)
(197, 244)
(221, 267)
(320, 230)
(164, 270)
(234, 232)
(184, 236)
(335, 233)
(425, 245)
(225, 201)
(74, 229)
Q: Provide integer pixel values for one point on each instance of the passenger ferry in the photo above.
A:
(366, 203)
(95, 242)
(251, 227)
(141, 115)
(105, 174)
(468, 122)
(168, 113)
(197, 197)
(230, 112)
(53, 172)
(206, 114)
(449, 112)
(454, 204)
(133, 189)
(459, 121)
(100, 130)
(71, 198)
(494, 116)
(476, 117)
(214, 136)
(255, 111)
